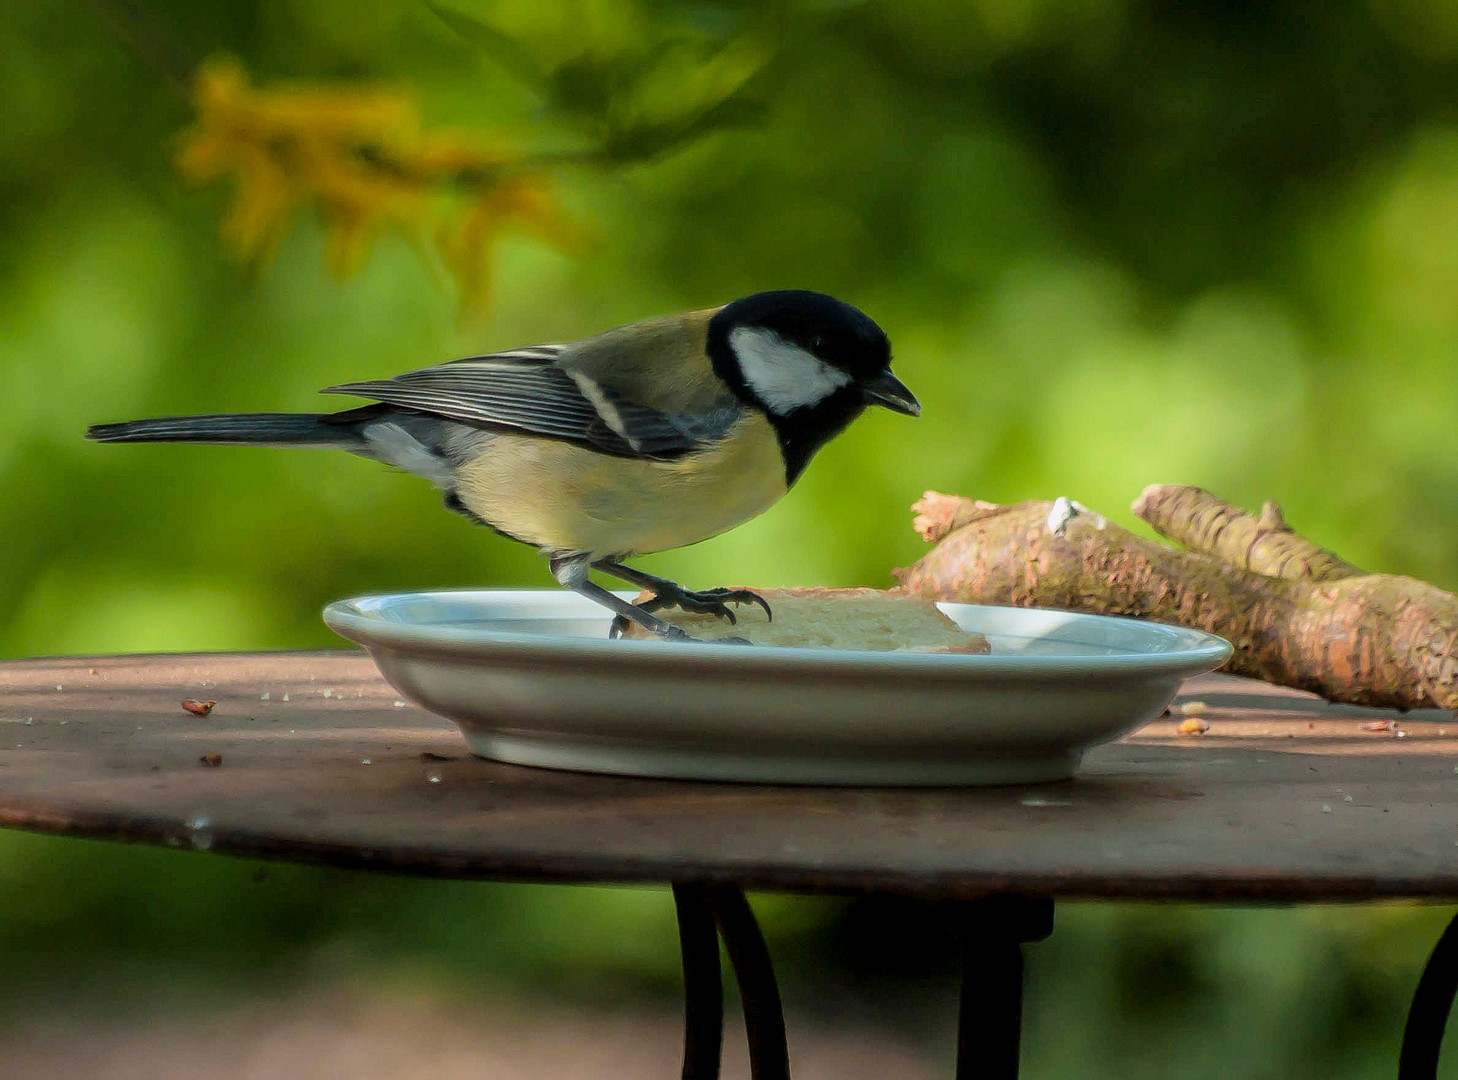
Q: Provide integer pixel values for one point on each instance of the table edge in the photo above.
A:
(506, 865)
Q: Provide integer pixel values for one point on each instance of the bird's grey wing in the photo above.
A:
(531, 391)
(662, 363)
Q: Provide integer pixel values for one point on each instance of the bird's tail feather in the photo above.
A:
(236, 429)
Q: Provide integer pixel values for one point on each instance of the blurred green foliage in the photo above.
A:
(1114, 242)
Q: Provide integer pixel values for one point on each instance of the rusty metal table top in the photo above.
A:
(1285, 798)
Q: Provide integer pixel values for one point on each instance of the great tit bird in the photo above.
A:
(648, 437)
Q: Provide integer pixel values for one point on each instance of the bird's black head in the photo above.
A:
(809, 361)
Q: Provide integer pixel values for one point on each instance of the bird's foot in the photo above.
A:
(704, 602)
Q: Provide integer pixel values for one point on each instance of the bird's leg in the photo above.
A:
(668, 594)
(571, 573)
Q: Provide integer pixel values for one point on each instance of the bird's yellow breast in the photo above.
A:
(564, 498)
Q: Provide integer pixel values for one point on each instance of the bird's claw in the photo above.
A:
(707, 602)
(739, 596)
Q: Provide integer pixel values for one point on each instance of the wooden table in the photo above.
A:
(1284, 799)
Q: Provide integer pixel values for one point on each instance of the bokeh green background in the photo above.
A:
(1114, 243)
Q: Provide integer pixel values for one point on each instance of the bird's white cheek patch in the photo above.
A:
(784, 376)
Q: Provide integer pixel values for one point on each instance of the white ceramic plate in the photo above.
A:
(531, 677)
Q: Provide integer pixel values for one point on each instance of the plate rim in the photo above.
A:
(1201, 651)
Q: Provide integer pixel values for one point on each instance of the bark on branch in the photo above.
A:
(1297, 615)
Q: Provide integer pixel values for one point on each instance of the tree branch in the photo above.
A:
(1297, 615)
(1193, 517)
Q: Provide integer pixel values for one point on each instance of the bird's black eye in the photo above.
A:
(817, 343)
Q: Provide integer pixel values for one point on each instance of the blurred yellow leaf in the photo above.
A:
(358, 157)
(465, 241)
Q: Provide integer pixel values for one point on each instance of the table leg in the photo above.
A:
(764, 1020)
(990, 1017)
(703, 988)
(1422, 1039)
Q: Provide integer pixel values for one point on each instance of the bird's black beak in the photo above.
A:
(887, 390)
